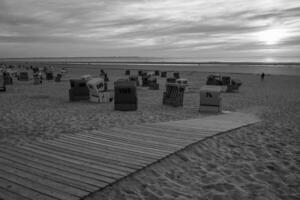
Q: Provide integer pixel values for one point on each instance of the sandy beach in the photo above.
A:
(259, 161)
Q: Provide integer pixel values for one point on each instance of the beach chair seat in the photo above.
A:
(153, 86)
(173, 95)
(125, 96)
(78, 90)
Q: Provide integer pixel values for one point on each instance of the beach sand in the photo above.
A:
(259, 161)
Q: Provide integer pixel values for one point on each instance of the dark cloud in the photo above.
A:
(193, 26)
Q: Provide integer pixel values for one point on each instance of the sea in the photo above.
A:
(169, 64)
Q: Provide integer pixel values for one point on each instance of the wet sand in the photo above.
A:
(260, 161)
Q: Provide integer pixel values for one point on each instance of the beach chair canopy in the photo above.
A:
(77, 83)
(182, 81)
(151, 73)
(96, 85)
(214, 80)
(173, 95)
(86, 77)
(125, 95)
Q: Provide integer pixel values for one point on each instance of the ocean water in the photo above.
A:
(168, 64)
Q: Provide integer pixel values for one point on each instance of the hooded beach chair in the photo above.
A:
(173, 95)
(79, 90)
(2, 82)
(125, 95)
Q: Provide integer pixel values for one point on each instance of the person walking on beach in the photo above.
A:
(262, 76)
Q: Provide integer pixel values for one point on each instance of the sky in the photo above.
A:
(256, 30)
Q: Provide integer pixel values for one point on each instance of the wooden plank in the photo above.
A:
(26, 192)
(71, 162)
(144, 135)
(133, 147)
(34, 185)
(95, 145)
(211, 123)
(184, 133)
(66, 169)
(138, 145)
(152, 136)
(5, 166)
(61, 179)
(124, 138)
(196, 128)
(122, 157)
(7, 195)
(58, 149)
(169, 131)
(73, 155)
(90, 183)
(202, 130)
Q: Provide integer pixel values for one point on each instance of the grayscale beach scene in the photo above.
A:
(149, 100)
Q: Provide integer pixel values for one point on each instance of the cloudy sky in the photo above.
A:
(267, 30)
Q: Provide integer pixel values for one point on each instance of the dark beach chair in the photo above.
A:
(2, 83)
(49, 75)
(23, 76)
(214, 80)
(135, 79)
(58, 78)
(163, 74)
(7, 78)
(125, 95)
(152, 83)
(173, 95)
(236, 83)
(176, 75)
(171, 80)
(156, 72)
(145, 82)
(37, 79)
(127, 72)
(140, 72)
(79, 90)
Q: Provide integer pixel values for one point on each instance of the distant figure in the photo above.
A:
(262, 76)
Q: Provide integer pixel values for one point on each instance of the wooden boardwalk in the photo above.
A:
(73, 166)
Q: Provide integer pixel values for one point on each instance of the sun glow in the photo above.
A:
(272, 36)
